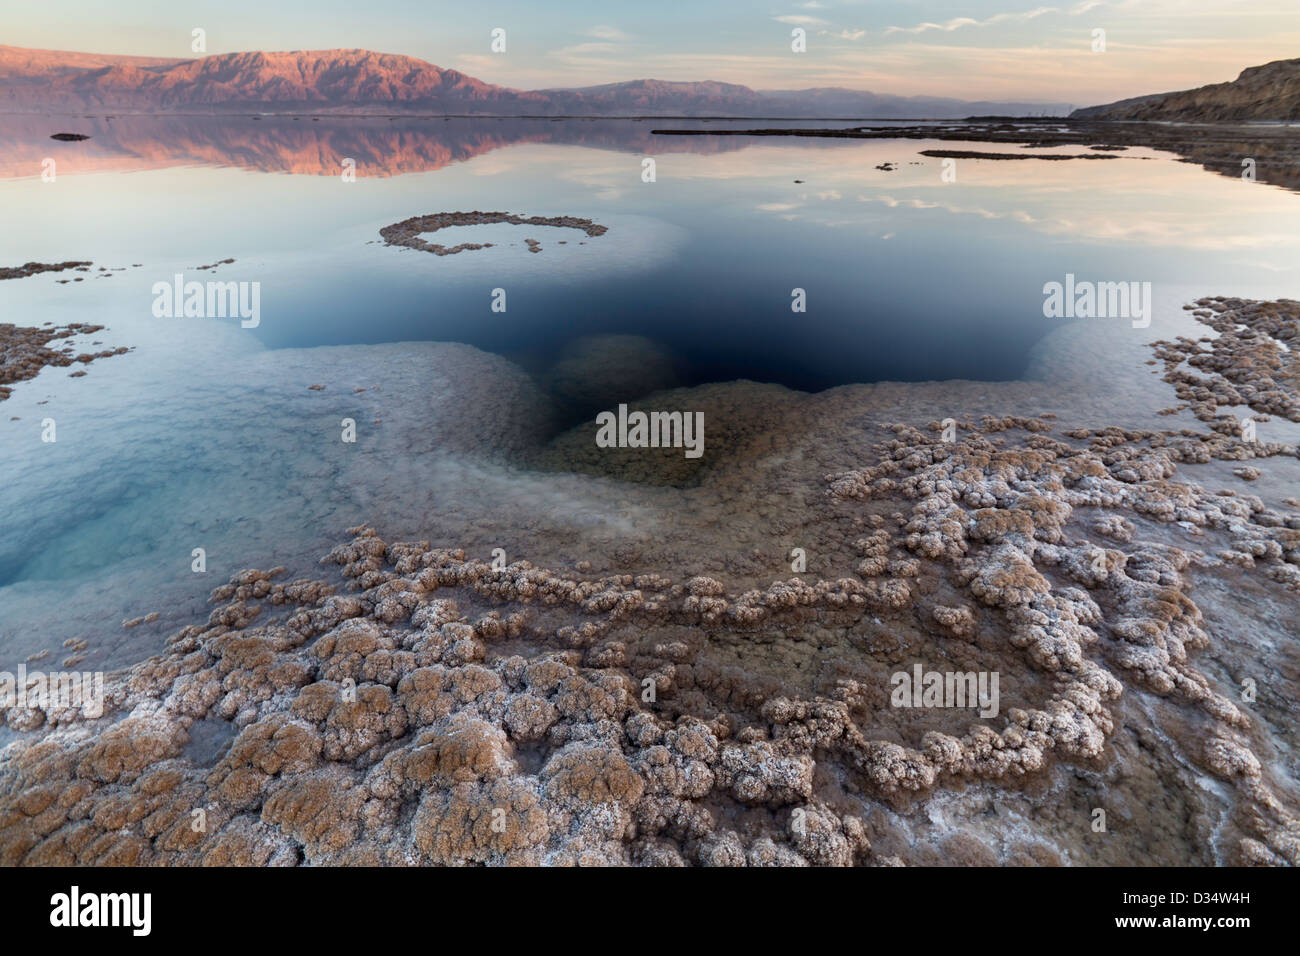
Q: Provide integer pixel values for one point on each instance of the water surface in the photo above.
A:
(208, 435)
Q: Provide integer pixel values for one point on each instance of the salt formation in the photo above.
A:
(1254, 360)
(415, 705)
(408, 232)
(24, 351)
(34, 268)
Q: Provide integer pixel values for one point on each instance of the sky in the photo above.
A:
(978, 49)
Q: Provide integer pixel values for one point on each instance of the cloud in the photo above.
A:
(476, 61)
(585, 49)
(607, 33)
(586, 57)
(602, 51)
(957, 23)
(799, 20)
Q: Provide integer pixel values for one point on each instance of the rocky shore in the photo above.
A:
(416, 704)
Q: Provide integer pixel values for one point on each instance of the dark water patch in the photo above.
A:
(532, 757)
(209, 739)
(914, 310)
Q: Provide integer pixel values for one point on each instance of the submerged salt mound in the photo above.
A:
(598, 371)
(738, 420)
(408, 232)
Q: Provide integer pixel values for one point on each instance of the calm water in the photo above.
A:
(907, 278)
(207, 434)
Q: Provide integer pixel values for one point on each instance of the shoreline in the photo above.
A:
(1217, 147)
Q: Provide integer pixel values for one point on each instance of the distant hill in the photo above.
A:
(837, 101)
(360, 81)
(659, 97)
(1268, 92)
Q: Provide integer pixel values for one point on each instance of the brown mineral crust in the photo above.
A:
(24, 351)
(299, 763)
(960, 621)
(620, 784)
(408, 232)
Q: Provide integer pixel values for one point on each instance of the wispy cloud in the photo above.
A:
(602, 51)
(585, 49)
(608, 33)
(957, 23)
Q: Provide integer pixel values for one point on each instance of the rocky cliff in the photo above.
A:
(1268, 92)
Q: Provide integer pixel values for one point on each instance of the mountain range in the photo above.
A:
(361, 81)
